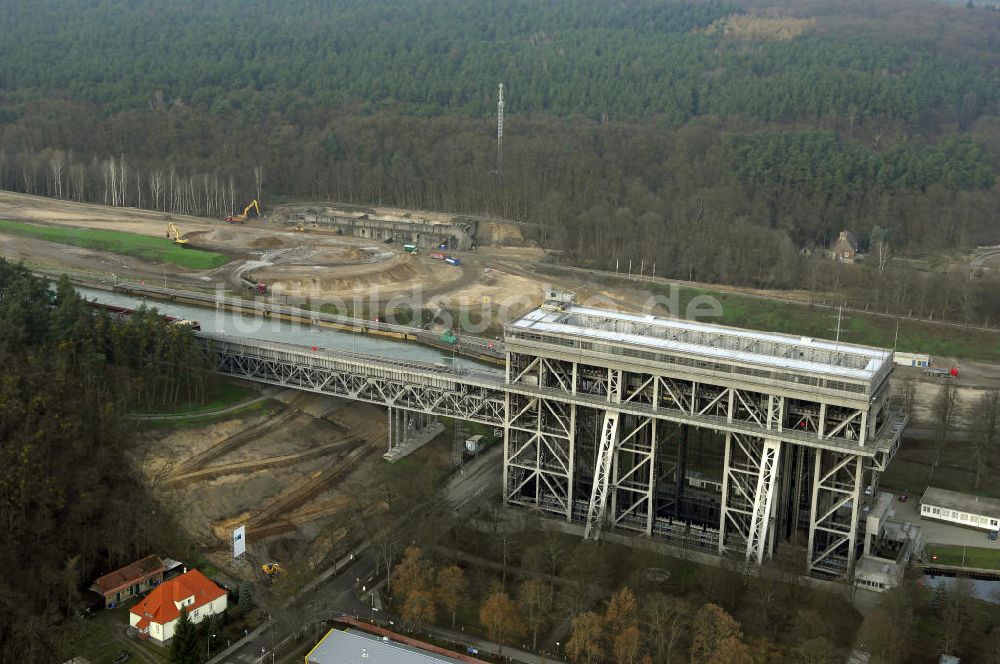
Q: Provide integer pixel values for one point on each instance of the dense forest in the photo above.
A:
(684, 133)
(70, 506)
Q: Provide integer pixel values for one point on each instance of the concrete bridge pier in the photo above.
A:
(408, 431)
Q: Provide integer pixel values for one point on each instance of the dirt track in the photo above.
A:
(251, 465)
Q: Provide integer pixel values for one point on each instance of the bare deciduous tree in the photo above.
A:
(988, 425)
(156, 187)
(944, 417)
(57, 162)
(667, 620)
(258, 178)
(880, 248)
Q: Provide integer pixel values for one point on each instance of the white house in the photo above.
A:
(155, 616)
(961, 508)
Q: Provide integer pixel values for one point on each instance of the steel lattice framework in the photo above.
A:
(588, 427)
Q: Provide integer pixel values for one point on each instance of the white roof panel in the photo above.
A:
(355, 647)
(768, 349)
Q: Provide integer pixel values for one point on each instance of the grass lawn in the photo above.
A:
(759, 313)
(908, 472)
(968, 556)
(220, 395)
(802, 319)
(196, 421)
(153, 249)
(100, 638)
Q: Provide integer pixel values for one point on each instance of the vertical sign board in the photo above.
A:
(239, 541)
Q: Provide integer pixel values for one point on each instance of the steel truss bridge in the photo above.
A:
(596, 424)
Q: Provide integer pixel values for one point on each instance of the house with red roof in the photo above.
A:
(133, 579)
(155, 616)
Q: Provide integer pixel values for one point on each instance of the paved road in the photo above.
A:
(936, 532)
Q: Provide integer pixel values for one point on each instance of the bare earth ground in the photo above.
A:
(324, 267)
(317, 518)
(298, 264)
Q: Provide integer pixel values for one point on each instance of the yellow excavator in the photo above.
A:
(240, 218)
(177, 234)
(271, 569)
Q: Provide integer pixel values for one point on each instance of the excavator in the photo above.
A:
(271, 569)
(177, 234)
(240, 218)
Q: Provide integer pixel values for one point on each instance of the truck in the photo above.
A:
(252, 285)
(451, 260)
(411, 249)
(941, 373)
(437, 255)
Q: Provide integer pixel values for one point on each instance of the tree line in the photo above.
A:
(533, 588)
(624, 61)
(851, 121)
(71, 505)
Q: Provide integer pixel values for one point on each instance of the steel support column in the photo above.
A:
(833, 514)
(602, 475)
(751, 471)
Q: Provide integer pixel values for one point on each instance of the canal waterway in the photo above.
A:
(222, 321)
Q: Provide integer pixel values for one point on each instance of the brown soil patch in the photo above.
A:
(267, 242)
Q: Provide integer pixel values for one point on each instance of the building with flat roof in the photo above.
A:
(963, 509)
(801, 427)
(889, 545)
(347, 645)
(804, 363)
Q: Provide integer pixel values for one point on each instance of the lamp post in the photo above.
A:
(208, 643)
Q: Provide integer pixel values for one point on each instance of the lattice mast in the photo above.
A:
(500, 129)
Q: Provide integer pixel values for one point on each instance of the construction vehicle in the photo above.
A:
(451, 260)
(271, 569)
(252, 285)
(411, 249)
(240, 218)
(300, 228)
(942, 373)
(177, 234)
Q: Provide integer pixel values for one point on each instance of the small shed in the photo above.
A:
(911, 359)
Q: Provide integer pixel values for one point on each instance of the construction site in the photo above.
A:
(305, 472)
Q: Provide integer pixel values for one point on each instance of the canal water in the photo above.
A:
(988, 591)
(238, 324)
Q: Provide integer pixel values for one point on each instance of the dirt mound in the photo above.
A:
(356, 254)
(336, 281)
(284, 549)
(500, 234)
(267, 242)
